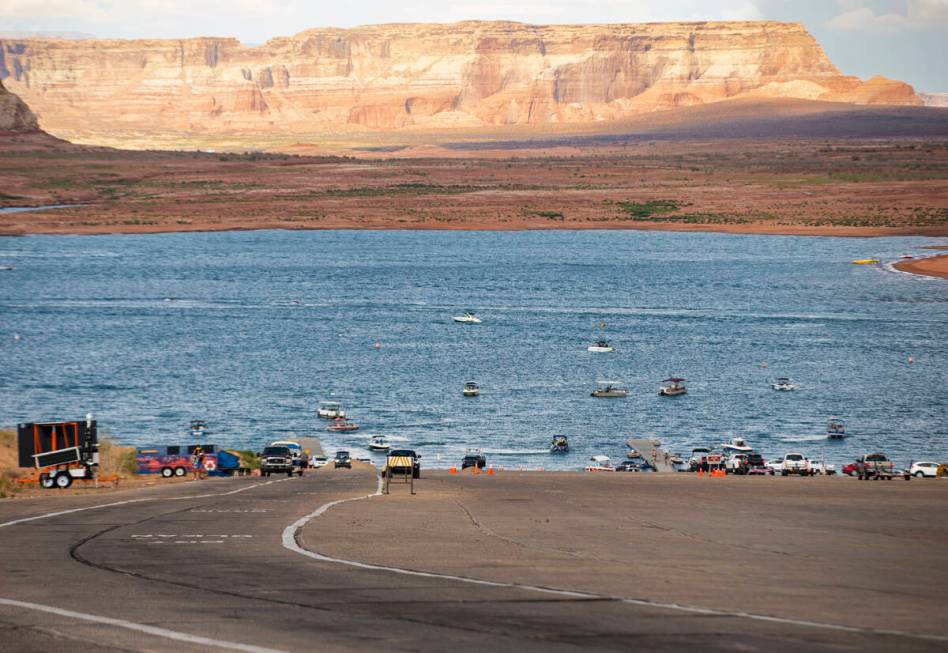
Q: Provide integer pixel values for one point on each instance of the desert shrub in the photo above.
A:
(645, 210)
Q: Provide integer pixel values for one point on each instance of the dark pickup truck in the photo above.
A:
(277, 460)
(402, 454)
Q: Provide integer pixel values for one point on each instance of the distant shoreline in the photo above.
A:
(64, 228)
(932, 266)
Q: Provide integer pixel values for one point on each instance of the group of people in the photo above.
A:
(197, 464)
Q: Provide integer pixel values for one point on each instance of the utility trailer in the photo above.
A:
(60, 451)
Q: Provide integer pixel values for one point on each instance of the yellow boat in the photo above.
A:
(866, 261)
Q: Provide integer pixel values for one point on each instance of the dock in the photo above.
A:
(312, 444)
(652, 451)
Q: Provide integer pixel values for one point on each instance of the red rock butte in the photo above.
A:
(421, 77)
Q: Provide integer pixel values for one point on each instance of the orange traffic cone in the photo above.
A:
(454, 470)
(490, 470)
(700, 472)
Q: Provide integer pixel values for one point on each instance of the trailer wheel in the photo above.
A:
(47, 481)
(180, 471)
(290, 473)
(167, 472)
(63, 481)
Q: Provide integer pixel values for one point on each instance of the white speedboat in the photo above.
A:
(379, 443)
(471, 389)
(737, 445)
(468, 318)
(600, 464)
(198, 428)
(673, 387)
(784, 384)
(330, 410)
(601, 347)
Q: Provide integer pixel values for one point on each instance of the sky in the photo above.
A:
(901, 39)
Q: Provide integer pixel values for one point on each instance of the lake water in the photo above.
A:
(149, 332)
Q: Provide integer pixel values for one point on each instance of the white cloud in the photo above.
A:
(746, 11)
(57, 9)
(918, 15)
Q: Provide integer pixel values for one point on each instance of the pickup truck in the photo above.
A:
(744, 463)
(300, 459)
(277, 460)
(795, 463)
(876, 466)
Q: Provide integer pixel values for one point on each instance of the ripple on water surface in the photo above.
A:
(249, 330)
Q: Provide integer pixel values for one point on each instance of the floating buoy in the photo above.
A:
(911, 360)
(17, 336)
(377, 345)
(763, 365)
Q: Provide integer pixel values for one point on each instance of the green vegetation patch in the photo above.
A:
(648, 211)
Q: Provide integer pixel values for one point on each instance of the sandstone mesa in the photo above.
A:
(417, 77)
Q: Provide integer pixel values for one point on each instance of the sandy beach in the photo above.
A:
(933, 266)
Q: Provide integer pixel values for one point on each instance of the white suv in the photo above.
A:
(918, 470)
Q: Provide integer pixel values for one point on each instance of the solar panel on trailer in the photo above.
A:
(58, 457)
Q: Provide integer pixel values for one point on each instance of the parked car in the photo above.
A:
(277, 460)
(342, 459)
(478, 461)
(796, 463)
(318, 461)
(406, 453)
(822, 468)
(920, 469)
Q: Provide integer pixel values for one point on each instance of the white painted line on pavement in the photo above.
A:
(142, 628)
(122, 503)
(290, 542)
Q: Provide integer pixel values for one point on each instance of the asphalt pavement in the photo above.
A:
(207, 566)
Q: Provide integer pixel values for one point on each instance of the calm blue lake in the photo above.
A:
(149, 332)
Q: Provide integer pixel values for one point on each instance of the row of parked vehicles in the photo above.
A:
(871, 466)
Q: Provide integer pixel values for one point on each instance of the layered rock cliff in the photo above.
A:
(15, 116)
(418, 76)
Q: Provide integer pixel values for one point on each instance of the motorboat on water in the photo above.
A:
(342, 425)
(601, 347)
(198, 428)
(836, 429)
(330, 410)
(610, 389)
(469, 317)
(379, 443)
(560, 444)
(674, 386)
(471, 389)
(600, 463)
(737, 445)
(784, 384)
